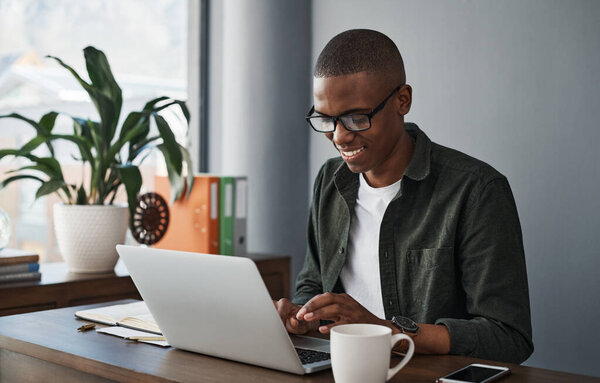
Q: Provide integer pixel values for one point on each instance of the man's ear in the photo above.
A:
(404, 99)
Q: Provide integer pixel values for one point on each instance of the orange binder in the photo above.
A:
(193, 222)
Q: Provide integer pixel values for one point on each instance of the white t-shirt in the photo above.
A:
(360, 274)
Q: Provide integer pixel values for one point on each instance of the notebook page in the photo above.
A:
(112, 314)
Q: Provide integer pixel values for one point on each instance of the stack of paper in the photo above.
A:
(128, 320)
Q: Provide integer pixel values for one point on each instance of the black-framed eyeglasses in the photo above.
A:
(354, 122)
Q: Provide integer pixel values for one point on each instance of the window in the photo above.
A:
(146, 45)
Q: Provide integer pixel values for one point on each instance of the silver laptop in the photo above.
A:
(218, 305)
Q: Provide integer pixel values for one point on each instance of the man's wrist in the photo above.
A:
(401, 347)
(405, 325)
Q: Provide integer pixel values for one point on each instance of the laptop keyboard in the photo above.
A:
(312, 356)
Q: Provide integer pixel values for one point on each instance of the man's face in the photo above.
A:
(373, 150)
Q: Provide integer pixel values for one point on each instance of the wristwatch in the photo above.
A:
(405, 324)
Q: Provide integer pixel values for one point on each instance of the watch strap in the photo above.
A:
(406, 325)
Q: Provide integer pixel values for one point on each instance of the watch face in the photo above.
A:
(406, 323)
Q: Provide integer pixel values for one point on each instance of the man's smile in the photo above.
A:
(351, 154)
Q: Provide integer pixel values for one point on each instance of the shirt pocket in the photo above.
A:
(428, 259)
(431, 281)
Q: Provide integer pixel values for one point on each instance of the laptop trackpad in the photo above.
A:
(310, 343)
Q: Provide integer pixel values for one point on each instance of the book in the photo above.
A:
(241, 212)
(15, 256)
(126, 333)
(232, 217)
(18, 277)
(131, 315)
(226, 186)
(19, 268)
(193, 222)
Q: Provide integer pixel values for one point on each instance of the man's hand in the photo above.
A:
(287, 311)
(339, 308)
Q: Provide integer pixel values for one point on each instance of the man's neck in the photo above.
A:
(394, 168)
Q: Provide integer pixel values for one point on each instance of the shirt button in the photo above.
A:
(386, 254)
(391, 303)
(341, 250)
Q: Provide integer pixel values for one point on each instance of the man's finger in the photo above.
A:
(327, 328)
(332, 312)
(293, 322)
(316, 303)
(297, 327)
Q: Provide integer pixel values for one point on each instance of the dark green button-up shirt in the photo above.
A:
(450, 249)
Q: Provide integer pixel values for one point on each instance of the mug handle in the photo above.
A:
(411, 349)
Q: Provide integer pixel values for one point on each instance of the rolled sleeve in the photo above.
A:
(494, 278)
(309, 281)
(463, 340)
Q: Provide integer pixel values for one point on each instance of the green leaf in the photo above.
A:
(109, 117)
(47, 122)
(102, 79)
(40, 168)
(132, 179)
(190, 172)
(41, 130)
(32, 144)
(142, 146)
(175, 179)
(135, 128)
(181, 104)
(81, 128)
(82, 144)
(81, 81)
(49, 187)
(171, 150)
(9, 152)
(7, 181)
(104, 91)
(51, 166)
(47, 165)
(98, 140)
(150, 104)
(27, 120)
(100, 73)
(81, 196)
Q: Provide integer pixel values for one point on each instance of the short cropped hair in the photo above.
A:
(359, 50)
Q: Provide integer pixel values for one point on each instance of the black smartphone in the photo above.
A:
(475, 373)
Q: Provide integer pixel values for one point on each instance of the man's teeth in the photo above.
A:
(352, 153)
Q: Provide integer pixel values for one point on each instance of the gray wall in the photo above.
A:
(259, 83)
(516, 84)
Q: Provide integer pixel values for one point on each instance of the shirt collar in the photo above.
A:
(419, 165)
(417, 169)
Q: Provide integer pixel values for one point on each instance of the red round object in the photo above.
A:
(151, 219)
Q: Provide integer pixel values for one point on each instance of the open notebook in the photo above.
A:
(132, 315)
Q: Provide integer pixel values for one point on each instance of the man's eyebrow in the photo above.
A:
(350, 111)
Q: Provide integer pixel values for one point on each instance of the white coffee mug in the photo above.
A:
(361, 353)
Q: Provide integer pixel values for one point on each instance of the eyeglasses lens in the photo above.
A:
(355, 122)
(322, 124)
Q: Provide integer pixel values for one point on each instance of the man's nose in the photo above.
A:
(341, 135)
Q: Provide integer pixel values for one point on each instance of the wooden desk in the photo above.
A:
(60, 288)
(37, 345)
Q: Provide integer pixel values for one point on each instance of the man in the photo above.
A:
(404, 232)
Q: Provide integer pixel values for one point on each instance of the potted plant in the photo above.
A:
(88, 224)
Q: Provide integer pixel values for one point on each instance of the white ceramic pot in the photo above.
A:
(87, 235)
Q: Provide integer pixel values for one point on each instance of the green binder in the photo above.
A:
(226, 220)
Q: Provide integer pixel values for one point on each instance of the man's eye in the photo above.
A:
(359, 120)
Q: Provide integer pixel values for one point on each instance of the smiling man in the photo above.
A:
(404, 232)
